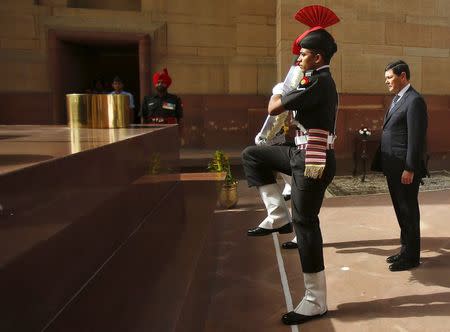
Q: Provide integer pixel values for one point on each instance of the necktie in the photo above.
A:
(394, 101)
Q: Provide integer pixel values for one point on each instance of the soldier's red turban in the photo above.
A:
(163, 76)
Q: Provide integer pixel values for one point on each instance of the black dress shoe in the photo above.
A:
(287, 197)
(258, 231)
(393, 258)
(293, 318)
(403, 265)
(289, 245)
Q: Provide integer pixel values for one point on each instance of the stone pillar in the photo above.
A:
(54, 72)
(287, 30)
(144, 66)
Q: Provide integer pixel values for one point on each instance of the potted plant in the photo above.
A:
(220, 163)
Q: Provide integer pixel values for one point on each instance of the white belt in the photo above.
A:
(303, 139)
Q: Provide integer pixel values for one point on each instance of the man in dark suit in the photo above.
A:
(401, 158)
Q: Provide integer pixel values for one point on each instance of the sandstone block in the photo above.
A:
(200, 35)
(20, 44)
(255, 35)
(243, 79)
(364, 32)
(197, 78)
(408, 35)
(435, 78)
(427, 52)
(440, 36)
(257, 7)
(21, 26)
(266, 79)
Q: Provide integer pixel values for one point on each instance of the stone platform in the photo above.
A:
(98, 240)
(84, 208)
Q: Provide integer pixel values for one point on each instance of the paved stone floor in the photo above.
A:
(359, 233)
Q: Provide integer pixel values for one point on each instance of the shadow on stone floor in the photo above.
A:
(435, 257)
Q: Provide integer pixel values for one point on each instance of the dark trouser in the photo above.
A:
(405, 200)
(307, 194)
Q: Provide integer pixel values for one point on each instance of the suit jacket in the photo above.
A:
(403, 138)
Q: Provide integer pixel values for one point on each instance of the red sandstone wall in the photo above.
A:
(25, 108)
(231, 121)
(219, 121)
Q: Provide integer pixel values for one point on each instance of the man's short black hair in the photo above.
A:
(398, 67)
(117, 79)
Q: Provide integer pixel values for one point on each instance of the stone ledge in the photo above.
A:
(200, 157)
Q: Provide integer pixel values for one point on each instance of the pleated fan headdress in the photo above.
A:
(317, 18)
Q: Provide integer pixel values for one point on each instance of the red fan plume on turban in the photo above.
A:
(316, 17)
(163, 76)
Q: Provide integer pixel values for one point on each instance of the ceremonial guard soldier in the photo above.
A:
(163, 107)
(311, 162)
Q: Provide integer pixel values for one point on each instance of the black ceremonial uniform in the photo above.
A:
(315, 101)
(165, 109)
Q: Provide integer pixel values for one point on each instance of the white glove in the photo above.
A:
(278, 89)
(259, 140)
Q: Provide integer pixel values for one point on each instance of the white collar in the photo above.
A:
(323, 67)
(402, 91)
